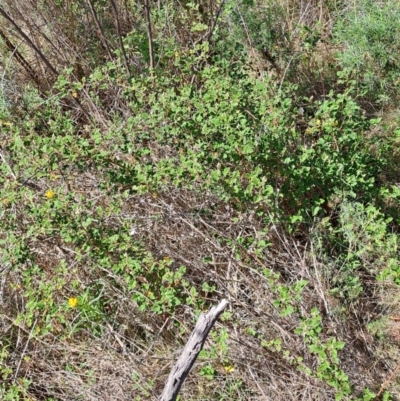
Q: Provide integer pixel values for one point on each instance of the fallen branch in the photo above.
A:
(191, 351)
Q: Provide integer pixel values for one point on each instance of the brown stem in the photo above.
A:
(28, 40)
(100, 32)
(149, 33)
(121, 44)
(215, 20)
(21, 60)
(390, 378)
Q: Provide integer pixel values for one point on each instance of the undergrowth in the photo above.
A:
(226, 153)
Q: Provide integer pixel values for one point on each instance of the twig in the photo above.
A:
(215, 20)
(100, 32)
(389, 379)
(149, 33)
(28, 40)
(121, 44)
(191, 351)
(20, 58)
(24, 351)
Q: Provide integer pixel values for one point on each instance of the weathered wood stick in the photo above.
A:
(191, 351)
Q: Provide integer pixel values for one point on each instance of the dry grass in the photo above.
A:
(136, 349)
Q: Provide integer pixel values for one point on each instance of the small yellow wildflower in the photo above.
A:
(229, 369)
(75, 94)
(73, 302)
(49, 194)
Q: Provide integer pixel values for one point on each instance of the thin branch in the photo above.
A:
(14, 52)
(28, 40)
(207, 36)
(24, 351)
(389, 379)
(149, 32)
(100, 32)
(215, 20)
(121, 44)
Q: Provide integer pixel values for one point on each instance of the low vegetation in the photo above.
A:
(159, 157)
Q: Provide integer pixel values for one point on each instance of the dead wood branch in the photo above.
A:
(191, 351)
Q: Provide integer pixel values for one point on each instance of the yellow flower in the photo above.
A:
(49, 194)
(73, 302)
(229, 369)
(75, 94)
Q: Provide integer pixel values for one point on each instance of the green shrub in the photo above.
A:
(210, 128)
(358, 248)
